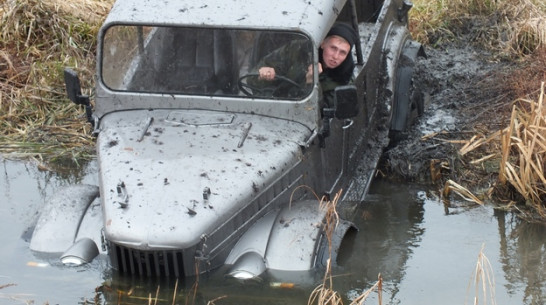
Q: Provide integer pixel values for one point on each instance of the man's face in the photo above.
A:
(334, 51)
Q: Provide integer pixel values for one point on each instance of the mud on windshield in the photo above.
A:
(210, 62)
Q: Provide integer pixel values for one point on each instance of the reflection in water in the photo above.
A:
(206, 288)
(424, 255)
(390, 227)
(25, 185)
(523, 257)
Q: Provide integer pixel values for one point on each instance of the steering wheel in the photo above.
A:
(252, 90)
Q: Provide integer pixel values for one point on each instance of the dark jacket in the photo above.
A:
(331, 78)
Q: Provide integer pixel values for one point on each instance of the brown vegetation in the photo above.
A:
(39, 39)
(510, 28)
(516, 154)
(503, 158)
(483, 281)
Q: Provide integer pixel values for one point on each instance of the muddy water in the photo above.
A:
(425, 254)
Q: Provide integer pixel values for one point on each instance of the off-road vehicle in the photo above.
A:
(201, 168)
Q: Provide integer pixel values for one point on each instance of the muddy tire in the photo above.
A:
(408, 102)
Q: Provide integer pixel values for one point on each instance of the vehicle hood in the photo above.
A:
(168, 177)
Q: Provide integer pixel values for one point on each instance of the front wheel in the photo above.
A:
(409, 101)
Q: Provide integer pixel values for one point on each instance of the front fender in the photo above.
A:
(290, 239)
(61, 217)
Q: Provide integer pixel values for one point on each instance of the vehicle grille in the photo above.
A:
(147, 263)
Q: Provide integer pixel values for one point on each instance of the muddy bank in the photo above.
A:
(462, 98)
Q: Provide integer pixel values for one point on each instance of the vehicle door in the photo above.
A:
(335, 153)
(341, 147)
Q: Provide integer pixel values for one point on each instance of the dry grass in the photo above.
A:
(520, 151)
(483, 281)
(524, 152)
(152, 298)
(453, 187)
(511, 28)
(39, 39)
(377, 286)
(324, 293)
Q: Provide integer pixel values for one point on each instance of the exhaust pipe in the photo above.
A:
(82, 252)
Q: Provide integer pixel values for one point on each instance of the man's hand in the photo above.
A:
(309, 74)
(267, 73)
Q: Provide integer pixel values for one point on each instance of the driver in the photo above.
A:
(335, 65)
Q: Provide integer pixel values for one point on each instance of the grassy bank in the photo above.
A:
(511, 28)
(39, 39)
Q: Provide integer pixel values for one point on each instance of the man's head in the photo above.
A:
(334, 51)
(337, 45)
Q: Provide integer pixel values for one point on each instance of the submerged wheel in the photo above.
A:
(408, 102)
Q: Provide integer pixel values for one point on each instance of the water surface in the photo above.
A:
(424, 253)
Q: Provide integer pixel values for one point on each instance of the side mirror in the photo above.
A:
(73, 87)
(74, 92)
(346, 102)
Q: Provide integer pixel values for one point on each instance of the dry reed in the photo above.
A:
(520, 150)
(212, 302)
(324, 293)
(483, 281)
(377, 286)
(524, 152)
(512, 28)
(453, 187)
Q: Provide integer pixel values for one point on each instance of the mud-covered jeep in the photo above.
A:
(199, 167)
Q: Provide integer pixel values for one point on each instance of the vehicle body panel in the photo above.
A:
(311, 17)
(179, 158)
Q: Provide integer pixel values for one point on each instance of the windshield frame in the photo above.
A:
(204, 61)
(306, 110)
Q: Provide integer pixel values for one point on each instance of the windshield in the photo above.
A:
(211, 62)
